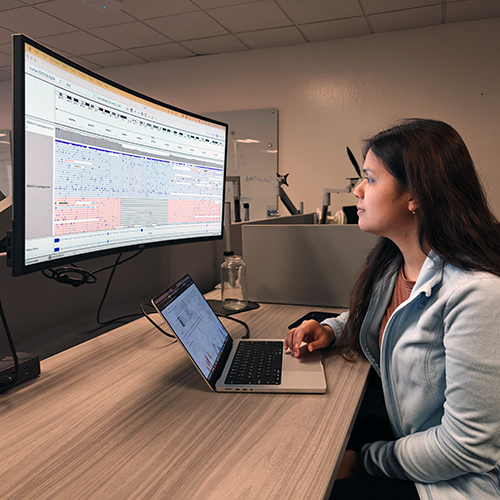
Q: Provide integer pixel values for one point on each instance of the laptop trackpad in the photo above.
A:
(307, 361)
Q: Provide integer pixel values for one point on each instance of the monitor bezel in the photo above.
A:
(17, 241)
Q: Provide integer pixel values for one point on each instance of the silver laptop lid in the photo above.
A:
(196, 326)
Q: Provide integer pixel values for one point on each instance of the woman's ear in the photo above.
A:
(412, 205)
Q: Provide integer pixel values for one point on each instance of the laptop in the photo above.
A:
(212, 350)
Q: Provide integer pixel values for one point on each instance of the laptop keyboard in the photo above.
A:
(256, 362)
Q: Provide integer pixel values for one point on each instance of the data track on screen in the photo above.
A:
(107, 169)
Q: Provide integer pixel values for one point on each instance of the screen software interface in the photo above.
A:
(106, 168)
(194, 323)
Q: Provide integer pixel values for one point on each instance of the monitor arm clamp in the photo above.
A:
(280, 180)
(326, 196)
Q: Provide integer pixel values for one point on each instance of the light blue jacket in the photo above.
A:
(440, 368)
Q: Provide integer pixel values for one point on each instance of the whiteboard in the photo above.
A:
(252, 155)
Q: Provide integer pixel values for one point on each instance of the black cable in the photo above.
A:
(6, 382)
(120, 263)
(247, 336)
(63, 274)
(146, 314)
(113, 267)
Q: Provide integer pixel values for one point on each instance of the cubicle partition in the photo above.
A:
(306, 264)
(237, 227)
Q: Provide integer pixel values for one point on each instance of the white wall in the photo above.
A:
(331, 94)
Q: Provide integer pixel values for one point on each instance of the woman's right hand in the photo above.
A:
(312, 333)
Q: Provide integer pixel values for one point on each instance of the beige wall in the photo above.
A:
(331, 94)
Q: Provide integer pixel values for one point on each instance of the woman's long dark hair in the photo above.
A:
(431, 161)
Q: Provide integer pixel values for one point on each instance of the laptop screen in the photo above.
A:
(194, 323)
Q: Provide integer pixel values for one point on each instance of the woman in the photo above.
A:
(425, 313)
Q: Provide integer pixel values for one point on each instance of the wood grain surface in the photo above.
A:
(127, 416)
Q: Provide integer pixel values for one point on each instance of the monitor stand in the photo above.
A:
(29, 367)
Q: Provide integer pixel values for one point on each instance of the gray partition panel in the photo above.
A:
(236, 242)
(304, 264)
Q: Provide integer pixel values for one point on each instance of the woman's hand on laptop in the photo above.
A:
(312, 333)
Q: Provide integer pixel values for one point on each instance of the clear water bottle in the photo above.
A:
(233, 282)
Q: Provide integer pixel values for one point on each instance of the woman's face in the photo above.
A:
(384, 208)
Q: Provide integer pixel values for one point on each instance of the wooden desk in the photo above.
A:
(126, 416)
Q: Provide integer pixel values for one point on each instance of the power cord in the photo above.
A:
(121, 318)
(247, 335)
(147, 315)
(64, 275)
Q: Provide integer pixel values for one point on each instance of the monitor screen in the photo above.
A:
(100, 168)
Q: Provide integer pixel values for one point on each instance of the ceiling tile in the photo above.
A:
(471, 10)
(5, 60)
(149, 9)
(130, 35)
(216, 45)
(5, 36)
(211, 4)
(6, 48)
(187, 26)
(78, 43)
(10, 4)
(33, 23)
(4, 75)
(328, 30)
(77, 13)
(406, 19)
(250, 16)
(144, 28)
(307, 11)
(163, 52)
(114, 59)
(377, 6)
(275, 37)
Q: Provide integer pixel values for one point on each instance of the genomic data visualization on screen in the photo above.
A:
(107, 169)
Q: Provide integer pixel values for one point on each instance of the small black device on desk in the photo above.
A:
(319, 316)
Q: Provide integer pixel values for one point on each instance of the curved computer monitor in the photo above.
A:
(101, 169)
